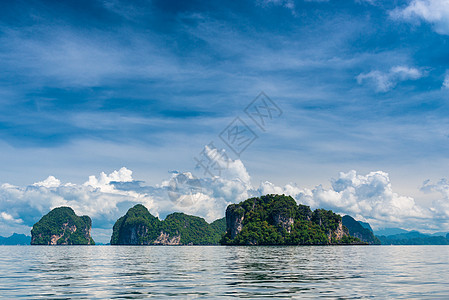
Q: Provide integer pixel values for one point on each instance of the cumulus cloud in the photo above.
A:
(435, 12)
(385, 81)
(97, 197)
(367, 197)
(106, 197)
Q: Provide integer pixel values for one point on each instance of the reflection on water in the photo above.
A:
(195, 272)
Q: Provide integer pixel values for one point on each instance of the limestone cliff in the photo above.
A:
(234, 219)
(62, 226)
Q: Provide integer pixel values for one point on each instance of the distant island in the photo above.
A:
(266, 220)
(139, 227)
(413, 238)
(62, 226)
(15, 239)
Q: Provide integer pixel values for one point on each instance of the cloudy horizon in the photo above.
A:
(106, 197)
(358, 91)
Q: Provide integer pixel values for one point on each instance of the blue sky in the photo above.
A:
(94, 86)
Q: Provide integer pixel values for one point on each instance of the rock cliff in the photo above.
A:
(62, 226)
(234, 219)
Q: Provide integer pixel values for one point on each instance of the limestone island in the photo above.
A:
(266, 220)
(140, 227)
(62, 226)
(278, 220)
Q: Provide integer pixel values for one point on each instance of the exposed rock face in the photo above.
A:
(234, 219)
(338, 233)
(284, 222)
(139, 227)
(62, 226)
(132, 235)
(164, 239)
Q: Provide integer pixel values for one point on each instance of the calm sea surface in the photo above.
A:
(106, 272)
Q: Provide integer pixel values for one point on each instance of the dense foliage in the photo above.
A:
(139, 227)
(278, 220)
(63, 223)
(193, 230)
(356, 229)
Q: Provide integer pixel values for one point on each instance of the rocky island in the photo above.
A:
(139, 227)
(278, 220)
(62, 226)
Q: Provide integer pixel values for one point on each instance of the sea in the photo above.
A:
(191, 272)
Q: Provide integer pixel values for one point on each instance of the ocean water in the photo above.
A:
(137, 272)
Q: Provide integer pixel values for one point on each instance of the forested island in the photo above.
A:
(278, 220)
(265, 220)
(139, 227)
(62, 226)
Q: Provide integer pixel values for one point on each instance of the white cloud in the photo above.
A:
(367, 197)
(104, 181)
(97, 197)
(440, 207)
(446, 81)
(435, 12)
(385, 81)
(7, 217)
(50, 182)
(105, 198)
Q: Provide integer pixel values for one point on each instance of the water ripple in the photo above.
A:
(121, 272)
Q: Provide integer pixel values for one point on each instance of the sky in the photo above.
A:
(193, 105)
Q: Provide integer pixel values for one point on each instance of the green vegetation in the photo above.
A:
(130, 227)
(62, 226)
(193, 230)
(278, 220)
(139, 227)
(358, 230)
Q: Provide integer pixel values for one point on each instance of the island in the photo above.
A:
(360, 230)
(279, 220)
(61, 226)
(139, 227)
